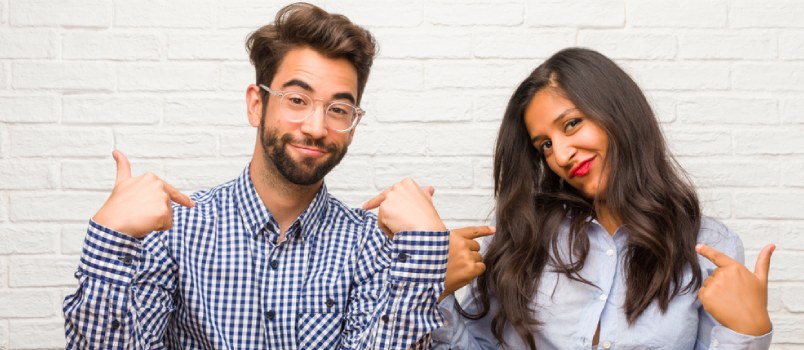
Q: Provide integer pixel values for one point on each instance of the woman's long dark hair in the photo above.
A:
(646, 190)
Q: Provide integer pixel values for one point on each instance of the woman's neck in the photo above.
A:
(607, 220)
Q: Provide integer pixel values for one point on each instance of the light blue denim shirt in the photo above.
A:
(570, 310)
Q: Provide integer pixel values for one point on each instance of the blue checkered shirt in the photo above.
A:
(219, 279)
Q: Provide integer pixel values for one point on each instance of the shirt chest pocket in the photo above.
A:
(322, 309)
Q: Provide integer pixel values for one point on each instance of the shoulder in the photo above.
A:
(716, 235)
(356, 217)
(207, 205)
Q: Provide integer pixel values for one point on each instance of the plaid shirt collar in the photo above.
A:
(258, 220)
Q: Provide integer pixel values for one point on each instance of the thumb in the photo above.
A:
(123, 167)
(429, 190)
(763, 262)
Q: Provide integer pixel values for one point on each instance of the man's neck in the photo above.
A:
(284, 200)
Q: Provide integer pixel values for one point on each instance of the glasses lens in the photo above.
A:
(340, 116)
(297, 106)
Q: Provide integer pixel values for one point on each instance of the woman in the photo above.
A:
(597, 231)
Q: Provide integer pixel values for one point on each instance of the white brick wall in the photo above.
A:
(164, 82)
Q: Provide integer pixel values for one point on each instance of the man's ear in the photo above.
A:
(254, 105)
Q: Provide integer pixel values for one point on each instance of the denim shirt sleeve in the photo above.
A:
(711, 334)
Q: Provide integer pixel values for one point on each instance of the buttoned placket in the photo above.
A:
(608, 246)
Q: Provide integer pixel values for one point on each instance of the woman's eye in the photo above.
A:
(545, 146)
(572, 123)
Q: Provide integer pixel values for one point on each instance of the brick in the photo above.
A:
(768, 77)
(54, 206)
(519, 44)
(787, 329)
(681, 13)
(42, 271)
(237, 76)
(250, 14)
(206, 111)
(484, 173)
(67, 13)
(3, 207)
(28, 239)
(161, 13)
(239, 142)
(37, 334)
(17, 303)
(72, 238)
(4, 140)
(443, 105)
(792, 111)
(767, 141)
(60, 142)
(791, 235)
(22, 175)
(17, 44)
(100, 175)
(188, 76)
(733, 173)
(629, 44)
(29, 109)
(464, 206)
(112, 46)
(584, 13)
(766, 205)
(3, 277)
(440, 173)
(716, 204)
(766, 14)
(755, 234)
(199, 175)
(792, 171)
(664, 106)
(433, 43)
(458, 141)
(4, 76)
(463, 13)
(786, 265)
(727, 45)
(791, 297)
(698, 143)
(680, 76)
(382, 13)
(207, 46)
(389, 141)
(168, 143)
(490, 107)
(111, 109)
(791, 45)
(63, 75)
(736, 110)
(396, 75)
(774, 300)
(473, 74)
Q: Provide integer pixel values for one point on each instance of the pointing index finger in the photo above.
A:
(178, 197)
(476, 231)
(716, 257)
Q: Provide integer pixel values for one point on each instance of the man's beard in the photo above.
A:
(300, 173)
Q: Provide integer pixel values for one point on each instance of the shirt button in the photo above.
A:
(610, 252)
(384, 318)
(603, 297)
(126, 259)
(274, 264)
(270, 315)
(402, 257)
(115, 325)
(330, 303)
(77, 274)
(607, 345)
(715, 343)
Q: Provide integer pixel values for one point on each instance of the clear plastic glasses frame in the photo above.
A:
(297, 107)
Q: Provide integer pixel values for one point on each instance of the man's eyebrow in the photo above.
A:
(344, 96)
(308, 88)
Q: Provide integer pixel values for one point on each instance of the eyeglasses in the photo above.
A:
(297, 107)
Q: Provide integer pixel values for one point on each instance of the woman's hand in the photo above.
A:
(464, 263)
(733, 295)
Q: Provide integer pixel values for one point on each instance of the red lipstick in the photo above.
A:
(582, 168)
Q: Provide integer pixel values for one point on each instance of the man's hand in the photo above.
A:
(465, 262)
(406, 207)
(139, 205)
(734, 296)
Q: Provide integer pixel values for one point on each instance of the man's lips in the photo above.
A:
(581, 168)
(309, 150)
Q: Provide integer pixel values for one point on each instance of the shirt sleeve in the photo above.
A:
(124, 293)
(461, 333)
(395, 303)
(711, 334)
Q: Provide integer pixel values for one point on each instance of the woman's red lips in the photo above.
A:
(582, 168)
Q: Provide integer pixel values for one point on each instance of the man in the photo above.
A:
(268, 260)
